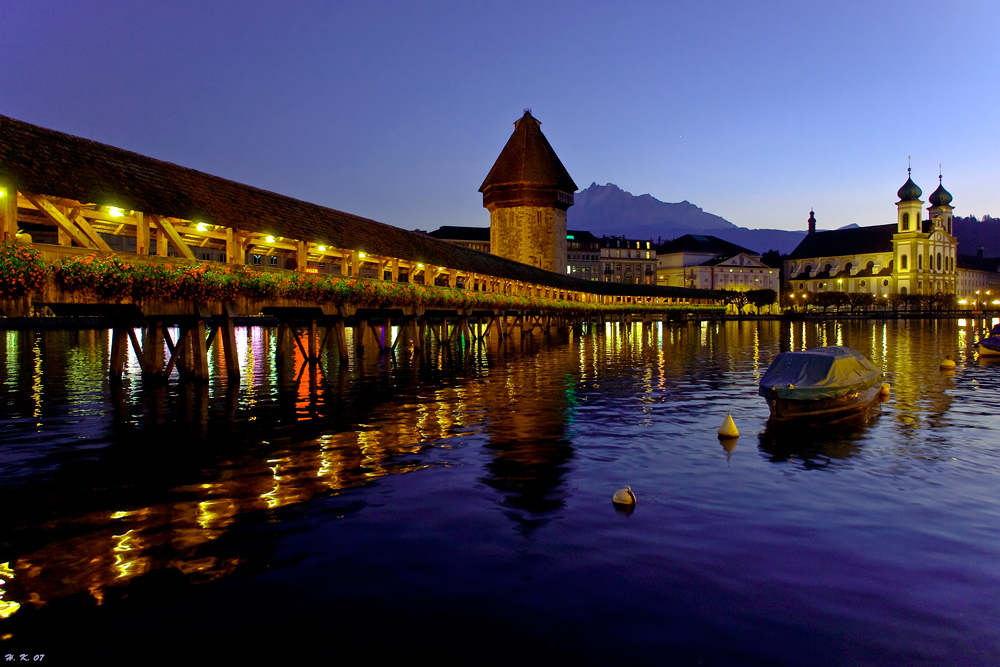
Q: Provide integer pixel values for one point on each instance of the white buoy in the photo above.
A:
(624, 496)
(728, 428)
(947, 364)
(884, 391)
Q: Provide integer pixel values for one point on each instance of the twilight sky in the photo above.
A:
(397, 110)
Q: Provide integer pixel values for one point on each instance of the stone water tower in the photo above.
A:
(527, 193)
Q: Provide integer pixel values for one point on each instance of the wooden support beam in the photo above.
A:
(153, 347)
(399, 334)
(301, 257)
(178, 352)
(395, 269)
(62, 222)
(298, 342)
(341, 332)
(137, 348)
(119, 351)
(378, 335)
(359, 336)
(175, 239)
(415, 334)
(91, 233)
(8, 212)
(199, 351)
(141, 233)
(236, 246)
(313, 340)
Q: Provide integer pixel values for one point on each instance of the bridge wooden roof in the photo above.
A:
(53, 163)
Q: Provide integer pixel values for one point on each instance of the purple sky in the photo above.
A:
(397, 110)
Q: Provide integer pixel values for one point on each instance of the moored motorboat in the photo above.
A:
(990, 346)
(824, 382)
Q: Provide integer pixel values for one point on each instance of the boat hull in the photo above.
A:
(989, 347)
(783, 409)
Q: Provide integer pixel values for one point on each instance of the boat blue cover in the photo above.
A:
(822, 372)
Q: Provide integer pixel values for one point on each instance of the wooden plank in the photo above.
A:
(56, 216)
(175, 240)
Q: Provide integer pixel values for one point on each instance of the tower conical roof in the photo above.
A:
(940, 197)
(527, 162)
(909, 191)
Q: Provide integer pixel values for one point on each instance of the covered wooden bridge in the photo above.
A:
(71, 197)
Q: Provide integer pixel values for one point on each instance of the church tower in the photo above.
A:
(527, 193)
(909, 207)
(941, 208)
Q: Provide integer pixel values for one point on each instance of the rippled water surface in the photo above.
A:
(457, 504)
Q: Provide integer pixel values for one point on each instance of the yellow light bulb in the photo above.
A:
(321, 248)
(116, 212)
(270, 239)
(201, 227)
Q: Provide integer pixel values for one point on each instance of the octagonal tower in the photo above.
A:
(527, 193)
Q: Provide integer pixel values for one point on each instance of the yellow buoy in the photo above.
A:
(624, 496)
(728, 428)
(948, 364)
(884, 391)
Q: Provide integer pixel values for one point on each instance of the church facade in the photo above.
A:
(912, 256)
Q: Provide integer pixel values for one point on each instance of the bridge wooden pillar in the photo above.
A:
(359, 337)
(142, 235)
(199, 351)
(282, 345)
(340, 331)
(8, 212)
(161, 241)
(301, 257)
(345, 257)
(395, 269)
(119, 351)
(152, 347)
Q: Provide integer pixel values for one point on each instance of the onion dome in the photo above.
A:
(909, 191)
(941, 197)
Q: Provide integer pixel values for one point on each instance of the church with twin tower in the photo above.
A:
(527, 193)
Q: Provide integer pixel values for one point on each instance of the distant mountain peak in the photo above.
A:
(608, 210)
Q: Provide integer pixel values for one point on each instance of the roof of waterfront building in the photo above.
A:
(702, 244)
(851, 241)
(53, 163)
(978, 263)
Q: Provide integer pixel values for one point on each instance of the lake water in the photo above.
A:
(457, 504)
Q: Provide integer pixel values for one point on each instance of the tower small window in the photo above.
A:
(902, 262)
(906, 222)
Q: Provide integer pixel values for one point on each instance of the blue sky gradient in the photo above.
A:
(397, 110)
